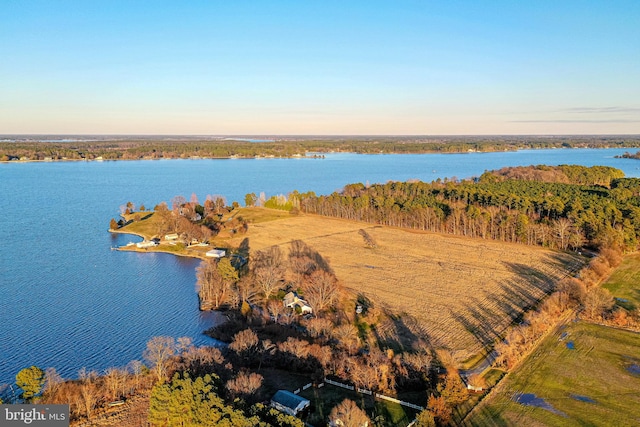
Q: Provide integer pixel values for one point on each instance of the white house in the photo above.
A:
(292, 300)
(172, 236)
(216, 253)
(146, 244)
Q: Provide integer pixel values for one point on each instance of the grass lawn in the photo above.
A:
(591, 385)
(325, 398)
(386, 413)
(146, 227)
(624, 283)
(258, 215)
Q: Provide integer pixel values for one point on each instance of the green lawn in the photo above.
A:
(256, 214)
(624, 283)
(383, 412)
(325, 398)
(146, 227)
(596, 369)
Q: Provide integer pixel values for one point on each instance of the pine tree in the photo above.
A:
(31, 381)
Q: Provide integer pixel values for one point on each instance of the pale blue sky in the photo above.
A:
(320, 67)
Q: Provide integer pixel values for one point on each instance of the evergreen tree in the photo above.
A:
(31, 381)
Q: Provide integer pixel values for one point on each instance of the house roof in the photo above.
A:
(290, 298)
(290, 400)
(216, 253)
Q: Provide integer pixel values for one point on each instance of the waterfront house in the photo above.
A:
(216, 253)
(172, 236)
(146, 244)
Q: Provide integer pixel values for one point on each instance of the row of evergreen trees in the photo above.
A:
(591, 206)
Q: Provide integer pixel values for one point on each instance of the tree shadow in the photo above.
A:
(243, 249)
(492, 312)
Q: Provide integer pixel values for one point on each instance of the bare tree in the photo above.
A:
(177, 202)
(597, 301)
(159, 350)
(215, 279)
(318, 327)
(88, 397)
(113, 379)
(347, 337)
(247, 289)
(136, 368)
(562, 228)
(275, 309)
(184, 345)
(296, 347)
(244, 384)
(268, 270)
(440, 409)
(321, 290)
(244, 341)
(52, 381)
(364, 375)
(348, 414)
(164, 219)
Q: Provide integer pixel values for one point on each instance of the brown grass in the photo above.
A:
(463, 292)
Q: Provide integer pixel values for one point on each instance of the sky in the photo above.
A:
(326, 67)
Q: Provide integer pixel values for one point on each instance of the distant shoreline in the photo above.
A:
(196, 149)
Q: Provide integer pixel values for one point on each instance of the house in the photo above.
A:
(146, 244)
(292, 300)
(216, 253)
(289, 403)
(172, 236)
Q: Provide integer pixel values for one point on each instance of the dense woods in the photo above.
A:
(564, 207)
(133, 148)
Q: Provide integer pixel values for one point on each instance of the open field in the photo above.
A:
(594, 384)
(463, 292)
(624, 283)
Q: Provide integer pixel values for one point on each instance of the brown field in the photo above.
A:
(462, 291)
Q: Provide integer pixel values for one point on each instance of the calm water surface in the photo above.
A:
(68, 301)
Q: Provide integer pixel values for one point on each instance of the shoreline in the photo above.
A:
(134, 248)
(319, 155)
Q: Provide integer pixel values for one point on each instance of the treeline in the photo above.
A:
(628, 155)
(149, 148)
(591, 206)
(582, 295)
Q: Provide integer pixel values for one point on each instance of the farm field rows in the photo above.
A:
(463, 292)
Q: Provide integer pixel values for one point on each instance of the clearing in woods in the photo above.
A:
(463, 292)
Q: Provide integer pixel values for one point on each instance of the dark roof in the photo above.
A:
(290, 400)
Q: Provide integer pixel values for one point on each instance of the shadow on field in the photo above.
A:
(485, 417)
(493, 312)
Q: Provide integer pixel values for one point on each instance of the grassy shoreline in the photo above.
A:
(158, 249)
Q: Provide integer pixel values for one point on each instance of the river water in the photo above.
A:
(67, 301)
